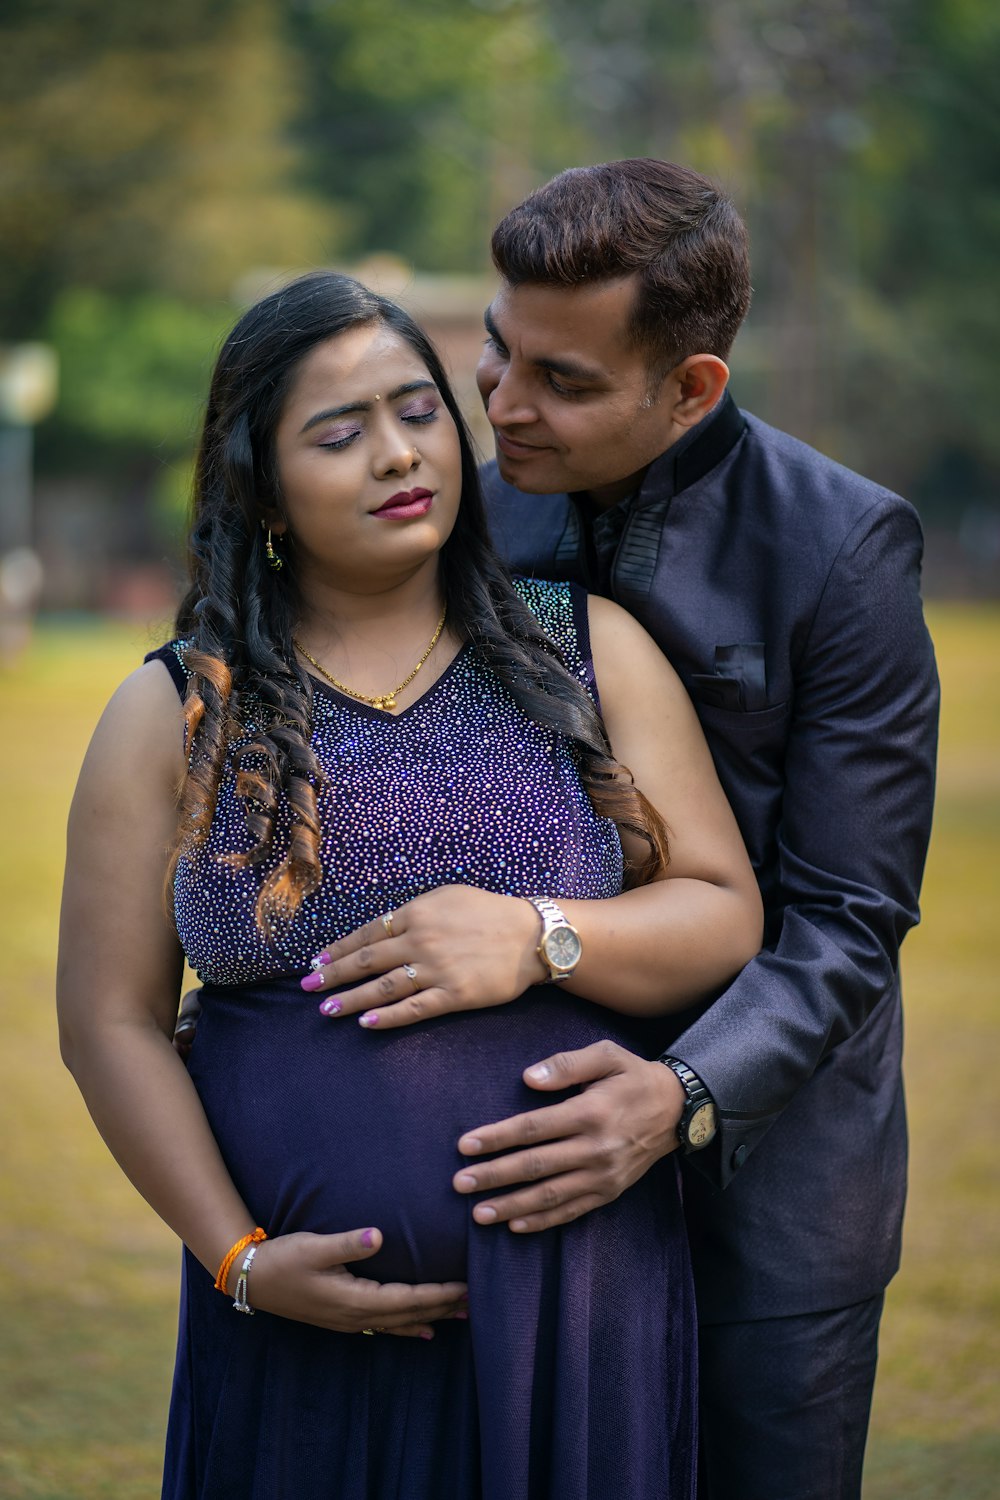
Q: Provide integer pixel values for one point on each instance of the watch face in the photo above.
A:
(701, 1126)
(562, 947)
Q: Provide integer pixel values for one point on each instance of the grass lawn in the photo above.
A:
(88, 1275)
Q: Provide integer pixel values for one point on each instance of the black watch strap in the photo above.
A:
(697, 1124)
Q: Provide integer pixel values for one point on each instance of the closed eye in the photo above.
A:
(341, 439)
(420, 412)
(568, 392)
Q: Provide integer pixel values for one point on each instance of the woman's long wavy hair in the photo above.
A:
(239, 614)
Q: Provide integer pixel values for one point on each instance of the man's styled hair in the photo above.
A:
(670, 226)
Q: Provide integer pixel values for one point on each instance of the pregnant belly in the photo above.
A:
(325, 1126)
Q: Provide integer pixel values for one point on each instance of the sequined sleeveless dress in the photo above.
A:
(574, 1377)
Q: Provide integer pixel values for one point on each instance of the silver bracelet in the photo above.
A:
(241, 1304)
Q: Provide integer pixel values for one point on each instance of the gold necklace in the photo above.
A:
(384, 700)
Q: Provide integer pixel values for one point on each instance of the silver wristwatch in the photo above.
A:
(560, 947)
(697, 1124)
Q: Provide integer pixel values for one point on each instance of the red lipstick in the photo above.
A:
(406, 505)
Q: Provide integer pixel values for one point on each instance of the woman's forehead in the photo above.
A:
(359, 364)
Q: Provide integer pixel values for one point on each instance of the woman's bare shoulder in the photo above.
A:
(141, 726)
(627, 660)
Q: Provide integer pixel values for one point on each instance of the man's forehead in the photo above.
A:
(585, 324)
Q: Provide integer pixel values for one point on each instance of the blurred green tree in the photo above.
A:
(146, 147)
(164, 156)
(424, 123)
(926, 314)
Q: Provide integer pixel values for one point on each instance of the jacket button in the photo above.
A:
(739, 1157)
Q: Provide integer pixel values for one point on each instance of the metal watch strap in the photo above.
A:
(553, 917)
(696, 1095)
(548, 910)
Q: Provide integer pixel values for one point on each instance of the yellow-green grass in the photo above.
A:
(88, 1275)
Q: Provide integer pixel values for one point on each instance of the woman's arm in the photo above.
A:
(687, 934)
(119, 977)
(653, 949)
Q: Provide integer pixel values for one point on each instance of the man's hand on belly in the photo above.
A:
(581, 1153)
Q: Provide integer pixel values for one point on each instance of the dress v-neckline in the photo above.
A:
(381, 715)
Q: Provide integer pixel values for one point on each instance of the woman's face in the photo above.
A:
(369, 463)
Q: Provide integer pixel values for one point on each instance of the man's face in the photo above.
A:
(568, 398)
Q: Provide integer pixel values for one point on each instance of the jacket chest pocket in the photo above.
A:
(739, 681)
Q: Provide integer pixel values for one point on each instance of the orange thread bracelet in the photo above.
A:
(230, 1256)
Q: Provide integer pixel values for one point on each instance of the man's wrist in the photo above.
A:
(699, 1118)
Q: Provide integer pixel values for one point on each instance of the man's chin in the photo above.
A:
(528, 475)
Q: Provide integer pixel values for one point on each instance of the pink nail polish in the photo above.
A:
(462, 1315)
(332, 1007)
(426, 1334)
(312, 982)
(368, 1238)
(320, 960)
(370, 1018)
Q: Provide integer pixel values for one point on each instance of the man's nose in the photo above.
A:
(507, 403)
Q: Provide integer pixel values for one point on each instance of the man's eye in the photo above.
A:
(492, 342)
(569, 391)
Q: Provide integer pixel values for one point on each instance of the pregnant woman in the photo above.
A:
(364, 725)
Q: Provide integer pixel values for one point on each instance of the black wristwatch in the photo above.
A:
(697, 1124)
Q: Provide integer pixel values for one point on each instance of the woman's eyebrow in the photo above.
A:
(353, 406)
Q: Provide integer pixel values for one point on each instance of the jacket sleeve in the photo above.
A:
(852, 840)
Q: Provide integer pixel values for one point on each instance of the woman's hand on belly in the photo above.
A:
(452, 949)
(304, 1277)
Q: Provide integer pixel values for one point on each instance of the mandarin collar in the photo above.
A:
(641, 517)
(694, 455)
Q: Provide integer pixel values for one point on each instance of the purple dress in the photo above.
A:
(574, 1377)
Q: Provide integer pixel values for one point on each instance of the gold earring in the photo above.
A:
(273, 560)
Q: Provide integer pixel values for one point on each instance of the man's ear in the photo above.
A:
(698, 383)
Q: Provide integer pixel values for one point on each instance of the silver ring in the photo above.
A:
(411, 975)
(387, 922)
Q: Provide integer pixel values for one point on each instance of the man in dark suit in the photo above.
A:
(785, 590)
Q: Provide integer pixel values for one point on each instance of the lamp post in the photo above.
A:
(29, 378)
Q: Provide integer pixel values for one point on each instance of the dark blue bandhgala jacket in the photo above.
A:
(785, 591)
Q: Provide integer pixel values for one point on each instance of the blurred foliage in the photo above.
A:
(425, 123)
(134, 368)
(145, 148)
(156, 155)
